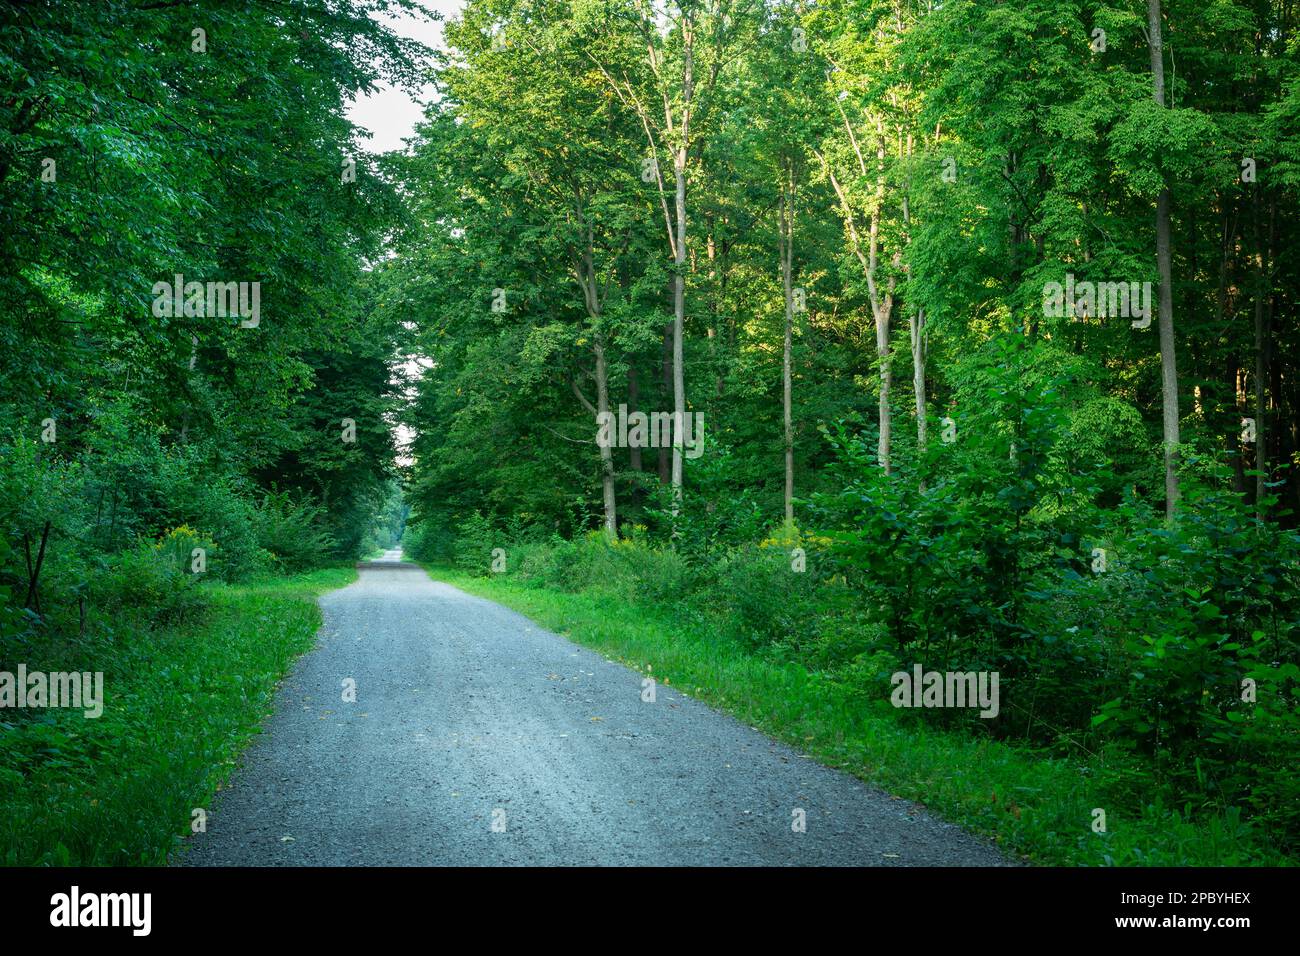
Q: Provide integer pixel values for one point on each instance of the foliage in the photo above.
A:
(291, 532)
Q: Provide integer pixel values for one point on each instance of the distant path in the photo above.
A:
(466, 710)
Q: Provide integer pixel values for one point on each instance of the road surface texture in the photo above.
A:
(478, 738)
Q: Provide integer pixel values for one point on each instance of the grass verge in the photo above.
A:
(1034, 805)
(180, 704)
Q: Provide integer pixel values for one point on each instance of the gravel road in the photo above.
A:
(479, 738)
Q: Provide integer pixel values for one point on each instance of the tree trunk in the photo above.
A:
(886, 383)
(1168, 360)
(916, 327)
(916, 332)
(679, 262)
(665, 461)
(882, 310)
(786, 247)
(679, 323)
(1263, 263)
(585, 272)
(606, 449)
(1232, 438)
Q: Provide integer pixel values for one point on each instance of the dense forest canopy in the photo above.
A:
(871, 333)
(148, 146)
(598, 190)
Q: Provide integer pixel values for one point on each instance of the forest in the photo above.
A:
(987, 309)
(790, 345)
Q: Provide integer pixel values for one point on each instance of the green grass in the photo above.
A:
(1034, 806)
(181, 703)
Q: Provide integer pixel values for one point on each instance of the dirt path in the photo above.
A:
(479, 738)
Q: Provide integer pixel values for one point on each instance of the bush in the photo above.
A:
(291, 533)
(765, 600)
(547, 563)
(146, 581)
(223, 511)
(654, 575)
(476, 539)
(1202, 651)
(427, 539)
(1111, 629)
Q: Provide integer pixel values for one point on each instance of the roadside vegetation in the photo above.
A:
(781, 656)
(182, 698)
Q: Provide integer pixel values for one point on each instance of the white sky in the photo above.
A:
(391, 114)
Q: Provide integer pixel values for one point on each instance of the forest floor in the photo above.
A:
(431, 727)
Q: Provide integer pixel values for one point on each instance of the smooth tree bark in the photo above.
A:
(786, 248)
(606, 451)
(882, 309)
(666, 374)
(593, 297)
(882, 301)
(916, 336)
(916, 331)
(679, 268)
(1168, 359)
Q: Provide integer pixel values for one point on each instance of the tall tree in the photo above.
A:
(1168, 349)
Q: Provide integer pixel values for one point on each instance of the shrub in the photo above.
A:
(427, 539)
(764, 599)
(475, 540)
(146, 581)
(291, 533)
(547, 563)
(223, 511)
